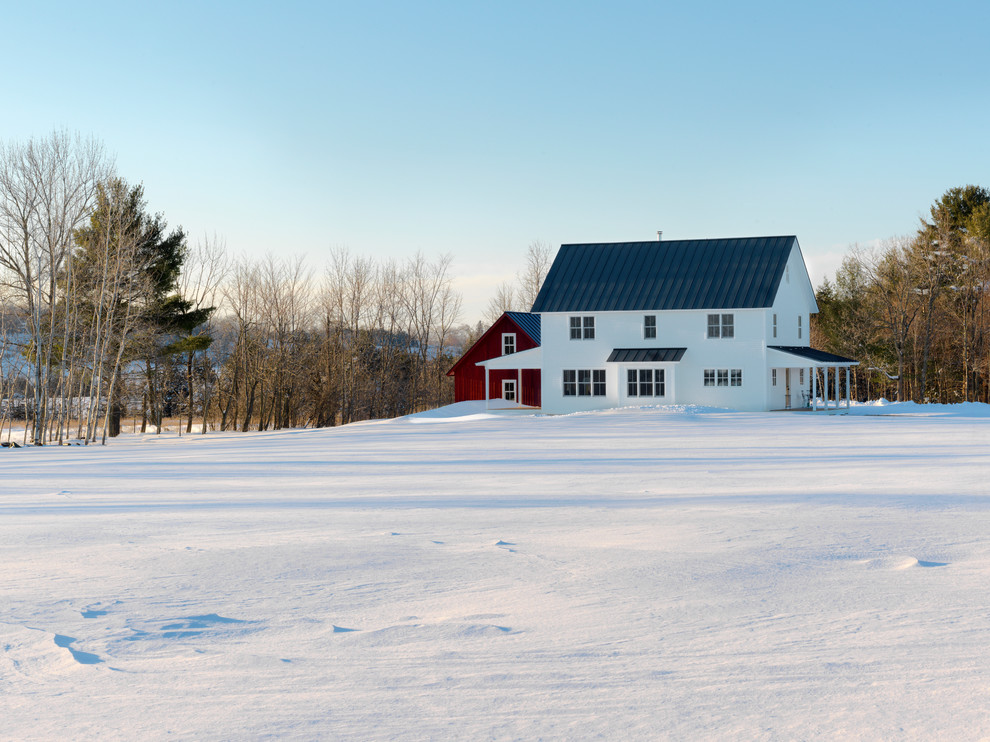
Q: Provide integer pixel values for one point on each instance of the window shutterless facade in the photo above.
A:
(508, 343)
(799, 327)
(775, 325)
(584, 382)
(646, 382)
(773, 377)
(721, 326)
(582, 328)
(649, 327)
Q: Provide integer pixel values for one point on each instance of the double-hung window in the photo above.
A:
(584, 382)
(649, 326)
(799, 327)
(570, 383)
(598, 382)
(775, 325)
(646, 382)
(582, 328)
(721, 326)
(508, 343)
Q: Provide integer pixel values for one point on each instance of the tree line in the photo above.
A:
(106, 312)
(914, 310)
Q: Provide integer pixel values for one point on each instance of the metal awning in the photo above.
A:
(646, 355)
(792, 355)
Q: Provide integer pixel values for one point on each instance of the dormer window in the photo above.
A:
(650, 327)
(508, 343)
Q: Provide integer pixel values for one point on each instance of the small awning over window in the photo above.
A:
(646, 355)
(816, 357)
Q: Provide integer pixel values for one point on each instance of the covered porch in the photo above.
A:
(512, 381)
(794, 382)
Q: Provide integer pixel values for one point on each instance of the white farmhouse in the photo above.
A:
(721, 322)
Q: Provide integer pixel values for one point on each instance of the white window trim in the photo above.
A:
(722, 377)
(658, 380)
(506, 383)
(717, 330)
(647, 328)
(585, 325)
(506, 336)
(589, 379)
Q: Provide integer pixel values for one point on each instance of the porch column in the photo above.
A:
(518, 386)
(847, 388)
(836, 387)
(814, 390)
(487, 395)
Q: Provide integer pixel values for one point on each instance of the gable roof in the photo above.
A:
(528, 323)
(740, 273)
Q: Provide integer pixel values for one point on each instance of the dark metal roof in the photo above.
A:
(741, 273)
(528, 323)
(646, 355)
(811, 354)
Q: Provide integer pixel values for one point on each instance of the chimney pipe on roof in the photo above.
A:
(659, 235)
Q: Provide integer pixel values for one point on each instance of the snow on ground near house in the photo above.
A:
(671, 573)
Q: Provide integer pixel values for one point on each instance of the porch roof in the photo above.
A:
(785, 355)
(532, 358)
(646, 355)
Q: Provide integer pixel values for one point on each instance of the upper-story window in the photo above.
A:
(508, 343)
(721, 326)
(649, 327)
(582, 328)
(799, 327)
(775, 325)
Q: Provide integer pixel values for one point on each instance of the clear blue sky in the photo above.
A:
(474, 129)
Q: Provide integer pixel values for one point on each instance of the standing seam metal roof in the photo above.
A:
(742, 273)
(646, 355)
(528, 323)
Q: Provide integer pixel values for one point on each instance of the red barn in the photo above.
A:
(510, 352)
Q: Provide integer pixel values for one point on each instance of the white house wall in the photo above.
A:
(675, 329)
(795, 298)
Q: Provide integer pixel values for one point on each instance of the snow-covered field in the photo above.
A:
(636, 574)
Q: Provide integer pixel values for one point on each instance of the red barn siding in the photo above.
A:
(469, 379)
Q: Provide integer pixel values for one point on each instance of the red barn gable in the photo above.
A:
(513, 332)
